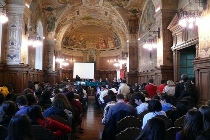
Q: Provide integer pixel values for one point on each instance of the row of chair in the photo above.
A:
(130, 127)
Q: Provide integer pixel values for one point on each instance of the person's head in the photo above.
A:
(193, 124)
(123, 81)
(63, 98)
(153, 130)
(46, 94)
(59, 103)
(21, 100)
(31, 99)
(120, 97)
(184, 77)
(139, 98)
(151, 80)
(170, 83)
(163, 81)
(35, 112)
(70, 96)
(103, 87)
(8, 108)
(165, 98)
(205, 111)
(27, 91)
(157, 97)
(20, 128)
(111, 95)
(154, 105)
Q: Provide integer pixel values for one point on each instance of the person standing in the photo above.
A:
(151, 88)
(124, 88)
(161, 86)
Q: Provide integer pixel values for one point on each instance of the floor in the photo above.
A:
(92, 122)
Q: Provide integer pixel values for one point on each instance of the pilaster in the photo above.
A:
(14, 34)
(48, 54)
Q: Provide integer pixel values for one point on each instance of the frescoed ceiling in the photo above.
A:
(104, 25)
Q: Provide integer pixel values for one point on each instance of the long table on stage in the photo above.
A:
(92, 84)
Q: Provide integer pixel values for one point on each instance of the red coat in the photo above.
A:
(56, 127)
(161, 87)
(151, 90)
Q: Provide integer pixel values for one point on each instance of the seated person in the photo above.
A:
(36, 117)
(22, 104)
(165, 101)
(139, 100)
(154, 108)
(112, 97)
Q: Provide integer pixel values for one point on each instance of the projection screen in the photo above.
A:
(83, 70)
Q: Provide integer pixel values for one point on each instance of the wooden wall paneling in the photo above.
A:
(204, 85)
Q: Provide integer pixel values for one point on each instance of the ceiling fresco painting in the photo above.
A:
(91, 37)
(103, 25)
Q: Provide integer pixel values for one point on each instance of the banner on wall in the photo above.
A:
(122, 74)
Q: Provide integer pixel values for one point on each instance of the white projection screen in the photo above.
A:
(84, 70)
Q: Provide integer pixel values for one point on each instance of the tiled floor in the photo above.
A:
(92, 122)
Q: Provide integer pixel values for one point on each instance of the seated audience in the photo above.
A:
(120, 105)
(193, 125)
(205, 111)
(55, 109)
(22, 104)
(45, 98)
(166, 103)
(36, 117)
(139, 100)
(112, 102)
(31, 99)
(153, 130)
(154, 108)
(169, 88)
(7, 111)
(20, 128)
(181, 109)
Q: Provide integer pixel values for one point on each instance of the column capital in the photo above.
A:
(15, 8)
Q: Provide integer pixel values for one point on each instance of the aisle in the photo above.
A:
(92, 122)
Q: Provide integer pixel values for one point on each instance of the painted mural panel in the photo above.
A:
(148, 16)
(99, 42)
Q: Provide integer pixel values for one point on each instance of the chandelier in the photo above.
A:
(65, 63)
(34, 41)
(189, 18)
(150, 44)
(59, 59)
(116, 63)
(3, 14)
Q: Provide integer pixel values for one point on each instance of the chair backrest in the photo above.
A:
(129, 121)
(168, 122)
(171, 133)
(130, 133)
(179, 122)
(111, 129)
(59, 119)
(141, 115)
(41, 133)
(168, 113)
(3, 132)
